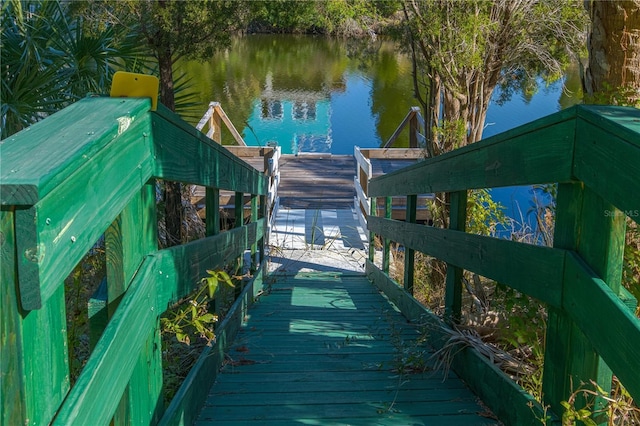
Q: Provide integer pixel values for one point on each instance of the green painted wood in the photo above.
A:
(53, 236)
(538, 152)
(492, 385)
(97, 313)
(582, 226)
(190, 398)
(610, 164)
(338, 365)
(184, 154)
(128, 240)
(212, 208)
(386, 247)
(12, 386)
(409, 254)
(131, 237)
(617, 339)
(373, 211)
(453, 292)
(40, 158)
(97, 392)
(33, 345)
(534, 270)
(180, 268)
(389, 420)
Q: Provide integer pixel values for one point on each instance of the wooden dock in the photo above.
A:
(319, 181)
(329, 349)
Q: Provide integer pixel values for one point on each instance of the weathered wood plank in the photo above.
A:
(533, 270)
(394, 153)
(41, 157)
(538, 152)
(617, 339)
(331, 367)
(98, 390)
(56, 233)
(487, 380)
(191, 396)
(185, 155)
(610, 165)
(182, 267)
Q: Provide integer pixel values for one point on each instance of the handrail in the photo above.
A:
(593, 153)
(212, 117)
(271, 167)
(416, 129)
(51, 217)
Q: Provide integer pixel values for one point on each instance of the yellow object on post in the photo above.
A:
(132, 85)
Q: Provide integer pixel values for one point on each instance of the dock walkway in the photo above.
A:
(328, 349)
(324, 347)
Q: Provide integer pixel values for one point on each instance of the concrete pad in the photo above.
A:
(317, 241)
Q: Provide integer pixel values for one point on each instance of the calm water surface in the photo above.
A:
(317, 94)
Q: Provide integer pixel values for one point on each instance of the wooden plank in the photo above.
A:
(401, 126)
(325, 362)
(492, 385)
(246, 152)
(97, 392)
(181, 267)
(453, 291)
(409, 254)
(617, 162)
(131, 237)
(41, 157)
(538, 152)
(617, 339)
(581, 226)
(236, 135)
(55, 235)
(178, 144)
(395, 153)
(13, 386)
(190, 398)
(533, 270)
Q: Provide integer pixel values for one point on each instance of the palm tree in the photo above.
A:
(50, 60)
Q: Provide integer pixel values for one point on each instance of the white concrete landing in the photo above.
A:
(317, 240)
(333, 229)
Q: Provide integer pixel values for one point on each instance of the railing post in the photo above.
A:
(33, 344)
(254, 218)
(373, 211)
(453, 292)
(215, 126)
(212, 211)
(386, 253)
(413, 129)
(238, 222)
(128, 240)
(409, 254)
(587, 224)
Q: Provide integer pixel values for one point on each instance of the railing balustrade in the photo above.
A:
(593, 154)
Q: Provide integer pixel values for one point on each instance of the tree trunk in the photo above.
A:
(174, 213)
(613, 73)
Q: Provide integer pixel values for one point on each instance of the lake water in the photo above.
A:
(317, 94)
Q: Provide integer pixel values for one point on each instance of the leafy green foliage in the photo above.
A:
(50, 60)
(193, 318)
(618, 408)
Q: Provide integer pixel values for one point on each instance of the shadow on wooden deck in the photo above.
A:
(329, 349)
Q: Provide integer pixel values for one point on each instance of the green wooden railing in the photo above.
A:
(66, 181)
(593, 153)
